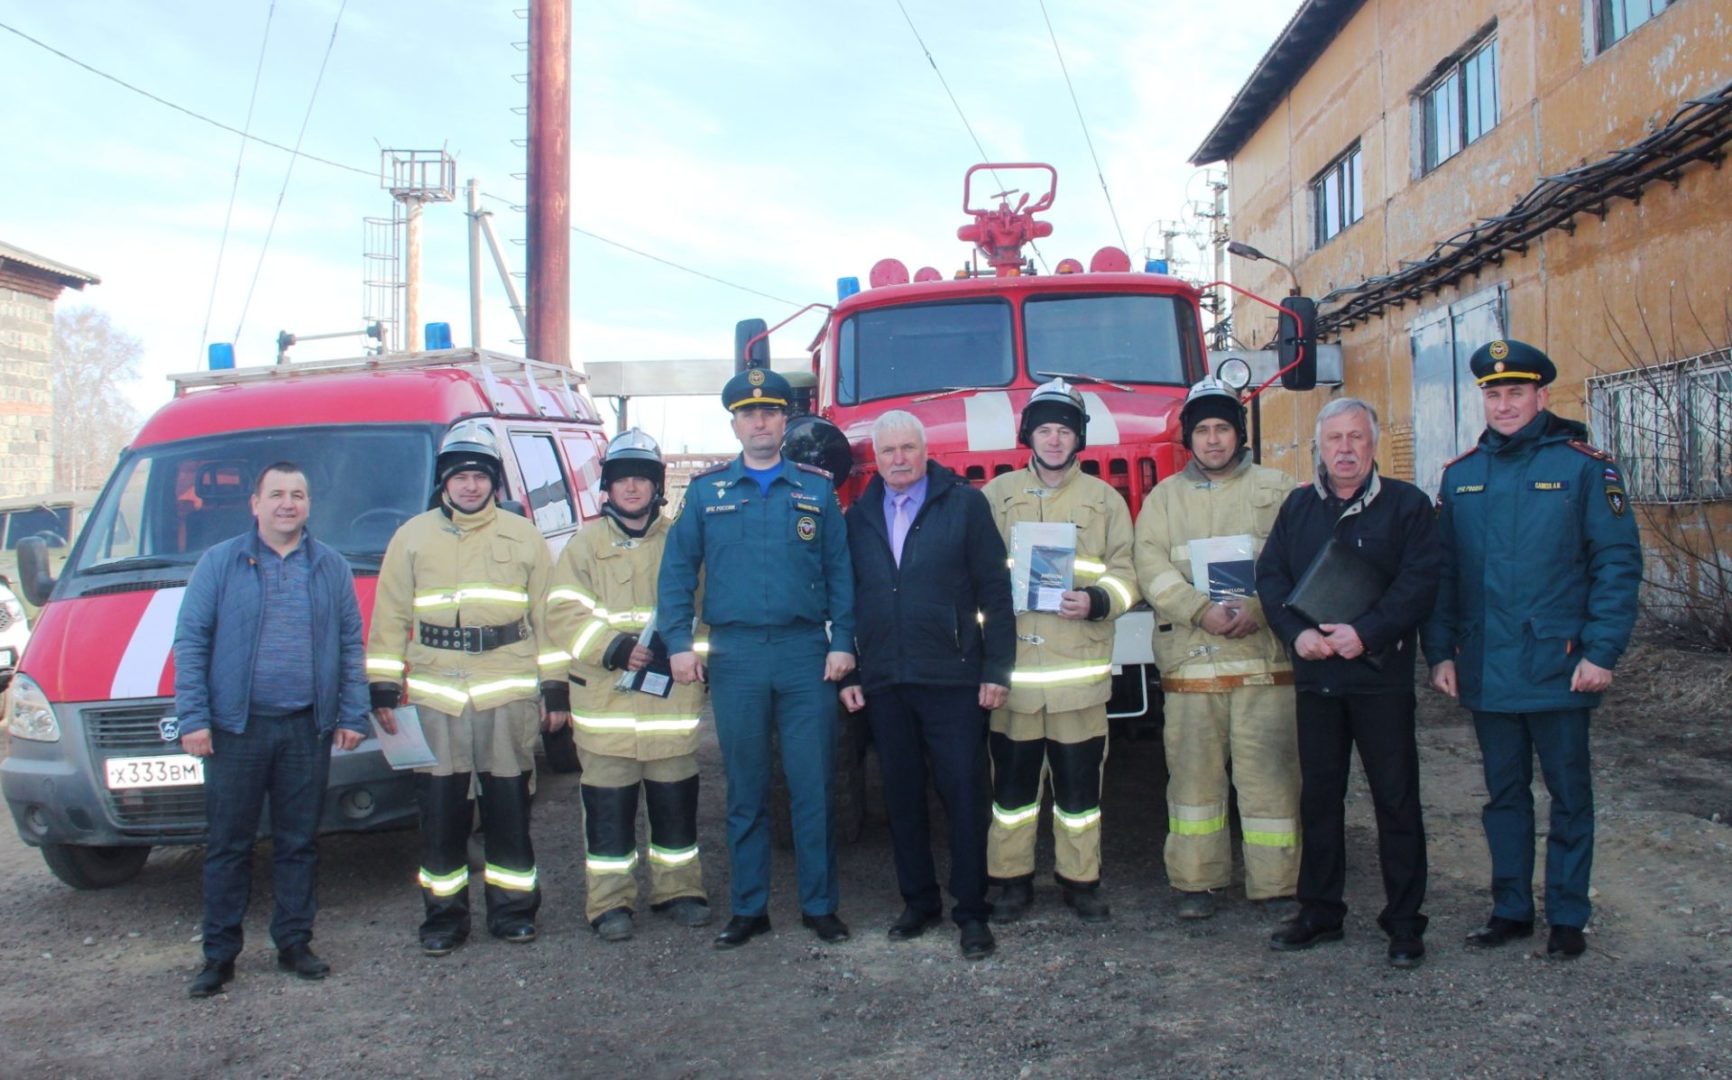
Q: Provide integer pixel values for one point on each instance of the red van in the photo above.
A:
(93, 772)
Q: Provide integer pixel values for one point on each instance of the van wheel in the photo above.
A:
(94, 867)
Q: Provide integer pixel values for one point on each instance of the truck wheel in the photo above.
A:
(94, 867)
(561, 750)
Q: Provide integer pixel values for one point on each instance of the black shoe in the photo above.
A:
(210, 980)
(614, 925)
(1014, 900)
(1300, 934)
(441, 943)
(1498, 931)
(1197, 905)
(912, 923)
(517, 933)
(741, 929)
(1566, 942)
(1406, 952)
(977, 943)
(829, 928)
(1087, 903)
(685, 910)
(300, 960)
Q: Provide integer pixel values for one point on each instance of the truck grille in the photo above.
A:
(132, 730)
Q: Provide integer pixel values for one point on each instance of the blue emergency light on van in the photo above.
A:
(846, 287)
(222, 355)
(438, 335)
(1154, 266)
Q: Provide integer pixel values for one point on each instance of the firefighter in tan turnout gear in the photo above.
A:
(459, 620)
(1054, 725)
(1226, 676)
(602, 596)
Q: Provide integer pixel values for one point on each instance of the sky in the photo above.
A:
(774, 144)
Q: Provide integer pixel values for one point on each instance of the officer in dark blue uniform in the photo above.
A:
(768, 536)
(1537, 603)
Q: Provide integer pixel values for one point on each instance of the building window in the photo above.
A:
(1461, 106)
(1338, 196)
(1613, 19)
(1670, 427)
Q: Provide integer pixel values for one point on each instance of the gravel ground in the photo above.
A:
(93, 984)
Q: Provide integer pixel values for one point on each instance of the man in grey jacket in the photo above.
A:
(262, 712)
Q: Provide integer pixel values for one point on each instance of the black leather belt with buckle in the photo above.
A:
(473, 639)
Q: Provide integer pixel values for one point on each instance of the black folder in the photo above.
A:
(1339, 586)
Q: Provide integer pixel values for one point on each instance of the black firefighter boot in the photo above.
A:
(610, 854)
(1085, 899)
(1015, 897)
(673, 851)
(446, 814)
(512, 890)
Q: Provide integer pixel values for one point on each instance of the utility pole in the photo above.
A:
(414, 178)
(1217, 218)
(474, 265)
(549, 336)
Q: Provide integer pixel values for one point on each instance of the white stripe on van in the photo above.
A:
(1103, 429)
(139, 672)
(991, 423)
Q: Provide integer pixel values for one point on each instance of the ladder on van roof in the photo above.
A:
(544, 382)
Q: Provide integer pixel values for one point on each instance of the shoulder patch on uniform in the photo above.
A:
(1469, 452)
(825, 473)
(1590, 449)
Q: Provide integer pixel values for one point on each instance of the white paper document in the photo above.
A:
(1225, 567)
(408, 748)
(1042, 564)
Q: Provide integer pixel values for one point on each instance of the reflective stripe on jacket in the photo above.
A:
(457, 569)
(1190, 506)
(604, 585)
(1066, 664)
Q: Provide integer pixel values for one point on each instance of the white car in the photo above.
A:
(14, 632)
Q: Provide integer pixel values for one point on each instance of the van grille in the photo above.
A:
(129, 731)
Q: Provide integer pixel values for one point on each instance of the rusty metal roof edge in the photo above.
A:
(1300, 43)
(71, 274)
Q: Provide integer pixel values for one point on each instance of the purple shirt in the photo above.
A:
(916, 495)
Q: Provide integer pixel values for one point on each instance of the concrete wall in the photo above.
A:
(1649, 281)
(26, 391)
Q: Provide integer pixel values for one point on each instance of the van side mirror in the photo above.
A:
(759, 353)
(1298, 342)
(35, 577)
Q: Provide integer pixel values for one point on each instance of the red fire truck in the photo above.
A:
(964, 353)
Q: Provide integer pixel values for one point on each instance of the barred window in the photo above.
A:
(1670, 427)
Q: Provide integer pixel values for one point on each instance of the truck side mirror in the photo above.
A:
(759, 354)
(1298, 341)
(35, 577)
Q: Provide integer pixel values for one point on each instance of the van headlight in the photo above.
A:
(28, 713)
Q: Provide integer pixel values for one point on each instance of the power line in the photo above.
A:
(234, 189)
(930, 59)
(306, 118)
(182, 108)
(1085, 127)
(657, 258)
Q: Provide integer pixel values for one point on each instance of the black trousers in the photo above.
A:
(1382, 726)
(945, 725)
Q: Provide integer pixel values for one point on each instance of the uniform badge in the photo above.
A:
(1551, 485)
(806, 528)
(1615, 500)
(1498, 350)
(169, 728)
(755, 377)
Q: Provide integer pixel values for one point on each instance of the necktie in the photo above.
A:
(899, 527)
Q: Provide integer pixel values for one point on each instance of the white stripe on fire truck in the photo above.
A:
(991, 422)
(1103, 429)
(139, 673)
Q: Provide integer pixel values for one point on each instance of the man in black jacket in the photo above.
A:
(1355, 679)
(936, 641)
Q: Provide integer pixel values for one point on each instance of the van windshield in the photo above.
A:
(166, 504)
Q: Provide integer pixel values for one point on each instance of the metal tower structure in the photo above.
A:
(391, 261)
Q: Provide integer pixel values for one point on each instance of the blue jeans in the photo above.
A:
(285, 759)
(761, 678)
(1508, 742)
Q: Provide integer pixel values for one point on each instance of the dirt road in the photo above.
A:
(94, 984)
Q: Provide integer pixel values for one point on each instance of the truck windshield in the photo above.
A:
(888, 352)
(166, 504)
(1128, 339)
